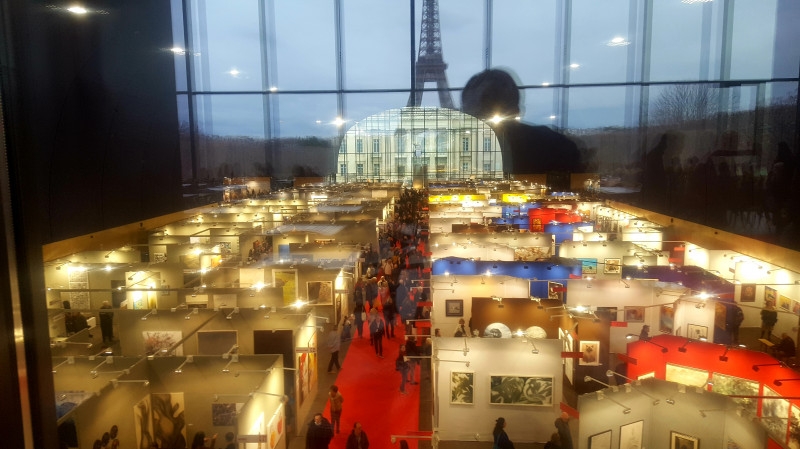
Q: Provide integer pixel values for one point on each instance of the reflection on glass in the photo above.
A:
(361, 106)
(677, 51)
(305, 45)
(523, 39)
(416, 143)
(227, 49)
(753, 39)
(595, 25)
(461, 24)
(537, 106)
(596, 107)
(305, 115)
(376, 44)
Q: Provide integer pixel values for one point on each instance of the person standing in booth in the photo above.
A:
(501, 440)
(769, 316)
(562, 426)
(358, 438)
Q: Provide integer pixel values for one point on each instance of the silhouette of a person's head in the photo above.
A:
(489, 93)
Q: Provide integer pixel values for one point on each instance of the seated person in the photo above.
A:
(785, 348)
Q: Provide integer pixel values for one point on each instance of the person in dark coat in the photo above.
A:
(376, 331)
(562, 426)
(501, 440)
(358, 438)
(107, 323)
(319, 433)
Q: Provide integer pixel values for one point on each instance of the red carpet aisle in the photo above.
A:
(371, 389)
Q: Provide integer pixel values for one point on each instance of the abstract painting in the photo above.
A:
(169, 423)
(591, 353)
(634, 314)
(696, 332)
(681, 441)
(302, 375)
(612, 266)
(287, 280)
(532, 253)
(600, 440)
(730, 385)
(142, 423)
(785, 303)
(794, 428)
(554, 291)
(775, 413)
(770, 296)
(666, 319)
(320, 292)
(630, 435)
(223, 414)
(454, 307)
(720, 315)
(688, 376)
(155, 341)
(461, 387)
(216, 342)
(521, 390)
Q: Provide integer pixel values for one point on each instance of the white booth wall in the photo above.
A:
(474, 251)
(495, 356)
(720, 426)
(465, 289)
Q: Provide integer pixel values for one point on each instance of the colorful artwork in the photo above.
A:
(162, 341)
(302, 375)
(720, 315)
(554, 291)
(794, 428)
(521, 390)
(612, 266)
(78, 278)
(588, 266)
(223, 414)
(692, 377)
(320, 292)
(630, 435)
(785, 303)
(680, 441)
(775, 413)
(591, 353)
(770, 296)
(287, 280)
(600, 440)
(666, 318)
(454, 307)
(634, 314)
(730, 385)
(169, 423)
(748, 293)
(531, 253)
(216, 342)
(696, 332)
(142, 423)
(461, 387)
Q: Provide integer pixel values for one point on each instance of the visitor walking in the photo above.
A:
(402, 365)
(358, 438)
(336, 406)
(376, 331)
(562, 426)
(319, 433)
(334, 344)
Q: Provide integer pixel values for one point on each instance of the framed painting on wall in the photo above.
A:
(696, 331)
(142, 422)
(287, 280)
(600, 440)
(630, 435)
(681, 441)
(730, 385)
(591, 353)
(320, 292)
(785, 303)
(162, 341)
(216, 342)
(748, 293)
(168, 419)
(588, 266)
(521, 390)
(770, 296)
(720, 315)
(666, 319)
(454, 307)
(775, 413)
(555, 291)
(612, 266)
(692, 377)
(634, 314)
(462, 385)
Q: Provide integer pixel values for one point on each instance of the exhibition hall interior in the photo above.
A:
(577, 216)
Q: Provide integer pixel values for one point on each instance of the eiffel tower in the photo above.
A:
(430, 64)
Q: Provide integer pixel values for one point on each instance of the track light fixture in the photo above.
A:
(189, 359)
(779, 382)
(152, 312)
(757, 367)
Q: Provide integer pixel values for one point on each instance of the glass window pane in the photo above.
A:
(230, 139)
(596, 107)
(306, 45)
(537, 106)
(303, 115)
(377, 49)
(517, 24)
(461, 24)
(361, 106)
(676, 52)
(753, 39)
(599, 41)
(226, 46)
(185, 138)
(178, 44)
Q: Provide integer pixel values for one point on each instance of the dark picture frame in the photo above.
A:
(681, 441)
(454, 307)
(600, 440)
